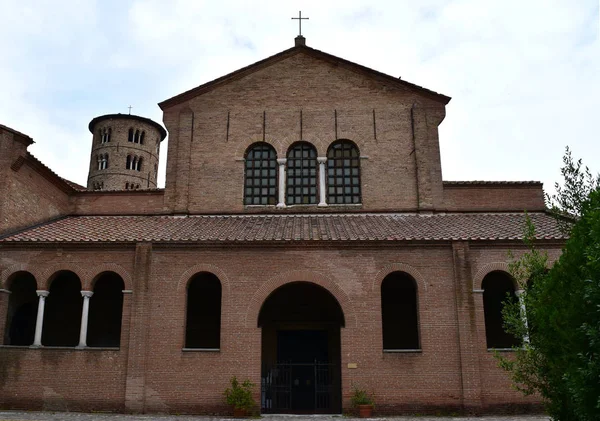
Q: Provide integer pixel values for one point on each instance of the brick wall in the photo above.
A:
(148, 202)
(153, 374)
(303, 98)
(493, 197)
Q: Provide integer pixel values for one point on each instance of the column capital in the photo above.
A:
(281, 161)
(87, 293)
(321, 159)
(42, 293)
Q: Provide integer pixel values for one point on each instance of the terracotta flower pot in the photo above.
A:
(240, 413)
(365, 411)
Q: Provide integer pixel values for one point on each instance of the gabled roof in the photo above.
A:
(244, 71)
(65, 185)
(244, 229)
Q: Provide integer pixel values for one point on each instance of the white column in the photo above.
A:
(39, 322)
(84, 318)
(322, 197)
(281, 162)
(519, 294)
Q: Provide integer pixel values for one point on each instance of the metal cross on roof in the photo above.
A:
(300, 19)
(130, 107)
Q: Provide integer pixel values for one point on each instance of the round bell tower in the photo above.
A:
(125, 151)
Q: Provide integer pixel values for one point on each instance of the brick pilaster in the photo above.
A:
(4, 297)
(467, 329)
(424, 122)
(138, 333)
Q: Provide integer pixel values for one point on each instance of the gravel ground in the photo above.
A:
(59, 416)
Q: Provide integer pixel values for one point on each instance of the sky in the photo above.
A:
(524, 76)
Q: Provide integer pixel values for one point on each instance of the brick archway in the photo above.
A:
(319, 279)
(21, 267)
(399, 267)
(108, 267)
(488, 268)
(48, 272)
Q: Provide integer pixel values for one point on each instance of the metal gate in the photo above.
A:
(280, 387)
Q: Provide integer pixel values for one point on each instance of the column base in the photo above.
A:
(322, 204)
(34, 346)
(281, 205)
(81, 346)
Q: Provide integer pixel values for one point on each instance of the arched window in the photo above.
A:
(105, 161)
(126, 186)
(260, 175)
(139, 164)
(62, 315)
(399, 312)
(130, 137)
(22, 310)
(106, 310)
(142, 137)
(136, 137)
(99, 159)
(203, 321)
(302, 174)
(343, 173)
(109, 134)
(497, 287)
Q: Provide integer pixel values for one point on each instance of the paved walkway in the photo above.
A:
(76, 416)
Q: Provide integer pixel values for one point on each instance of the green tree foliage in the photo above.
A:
(560, 357)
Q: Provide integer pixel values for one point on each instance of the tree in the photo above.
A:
(560, 358)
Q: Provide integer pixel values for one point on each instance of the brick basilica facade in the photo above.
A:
(304, 240)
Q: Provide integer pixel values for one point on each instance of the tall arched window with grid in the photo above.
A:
(260, 185)
(343, 173)
(302, 174)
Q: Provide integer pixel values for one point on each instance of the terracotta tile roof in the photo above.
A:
(287, 228)
(74, 185)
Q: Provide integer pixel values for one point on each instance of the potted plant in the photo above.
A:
(363, 401)
(239, 395)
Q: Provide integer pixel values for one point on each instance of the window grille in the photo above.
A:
(260, 187)
(302, 174)
(343, 173)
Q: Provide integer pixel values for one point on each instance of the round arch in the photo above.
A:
(108, 267)
(343, 140)
(489, 268)
(7, 283)
(189, 274)
(21, 267)
(399, 267)
(278, 304)
(319, 279)
(48, 274)
(243, 146)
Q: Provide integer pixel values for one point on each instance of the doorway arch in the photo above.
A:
(301, 350)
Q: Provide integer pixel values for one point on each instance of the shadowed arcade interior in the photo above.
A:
(301, 350)
(497, 287)
(22, 310)
(106, 311)
(62, 316)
